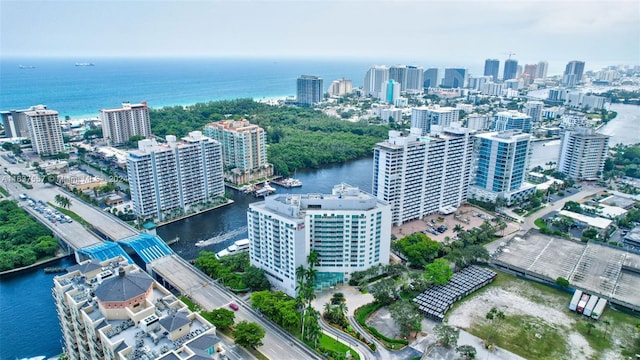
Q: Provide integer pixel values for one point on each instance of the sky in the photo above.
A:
(451, 31)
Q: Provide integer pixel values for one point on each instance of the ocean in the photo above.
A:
(81, 91)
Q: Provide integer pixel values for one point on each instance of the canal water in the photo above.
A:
(28, 322)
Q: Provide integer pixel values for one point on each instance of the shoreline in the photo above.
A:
(270, 100)
(34, 265)
(229, 202)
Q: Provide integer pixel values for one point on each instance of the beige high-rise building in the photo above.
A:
(118, 125)
(244, 150)
(114, 310)
(44, 131)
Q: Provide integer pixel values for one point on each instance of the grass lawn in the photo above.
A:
(70, 214)
(332, 344)
(524, 334)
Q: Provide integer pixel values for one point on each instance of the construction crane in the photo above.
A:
(510, 53)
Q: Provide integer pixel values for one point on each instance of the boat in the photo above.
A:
(288, 182)
(35, 358)
(26, 67)
(85, 64)
(238, 246)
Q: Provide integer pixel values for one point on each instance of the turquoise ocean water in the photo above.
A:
(81, 91)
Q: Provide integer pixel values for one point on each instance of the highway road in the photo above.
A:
(210, 295)
(111, 226)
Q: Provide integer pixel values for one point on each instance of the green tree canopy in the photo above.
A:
(439, 272)
(220, 318)
(248, 334)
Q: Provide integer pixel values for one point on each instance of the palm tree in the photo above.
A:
(590, 327)
(458, 228)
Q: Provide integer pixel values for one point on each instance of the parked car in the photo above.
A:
(234, 306)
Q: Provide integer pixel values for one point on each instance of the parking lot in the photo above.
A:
(50, 214)
(439, 227)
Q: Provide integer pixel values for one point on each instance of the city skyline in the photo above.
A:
(550, 31)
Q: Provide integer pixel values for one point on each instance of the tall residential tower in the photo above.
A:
(118, 125)
(349, 229)
(44, 131)
(173, 178)
(310, 90)
(244, 148)
(583, 154)
(420, 175)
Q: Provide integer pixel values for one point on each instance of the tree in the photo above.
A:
(495, 316)
(255, 279)
(407, 316)
(458, 228)
(562, 282)
(447, 335)
(468, 352)
(133, 141)
(221, 318)
(573, 207)
(589, 327)
(438, 272)
(248, 334)
(384, 291)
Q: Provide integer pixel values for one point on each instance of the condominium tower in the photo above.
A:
(431, 78)
(410, 78)
(573, 73)
(349, 229)
(118, 125)
(582, 154)
(244, 149)
(114, 310)
(425, 116)
(44, 131)
(491, 68)
(340, 87)
(512, 120)
(454, 78)
(421, 175)
(541, 70)
(173, 178)
(310, 90)
(502, 161)
(510, 69)
(375, 79)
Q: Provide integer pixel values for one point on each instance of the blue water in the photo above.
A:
(81, 91)
(28, 323)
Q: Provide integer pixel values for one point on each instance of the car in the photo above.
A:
(234, 306)
(23, 196)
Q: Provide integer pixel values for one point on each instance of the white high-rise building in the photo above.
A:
(534, 110)
(118, 125)
(491, 89)
(44, 131)
(583, 154)
(421, 175)
(476, 82)
(349, 229)
(112, 310)
(425, 116)
(512, 120)
(169, 179)
(391, 91)
(375, 80)
(340, 87)
(415, 80)
(502, 162)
